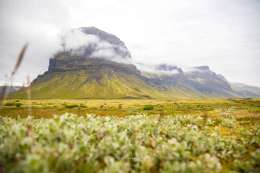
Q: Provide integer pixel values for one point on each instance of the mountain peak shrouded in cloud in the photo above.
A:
(91, 42)
(97, 64)
(102, 35)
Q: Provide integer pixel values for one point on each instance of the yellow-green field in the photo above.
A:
(182, 136)
(240, 108)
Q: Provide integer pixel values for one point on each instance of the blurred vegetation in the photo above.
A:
(246, 109)
(148, 107)
(210, 135)
(138, 143)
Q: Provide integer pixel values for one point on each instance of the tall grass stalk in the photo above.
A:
(19, 60)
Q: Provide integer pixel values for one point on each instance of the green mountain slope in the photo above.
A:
(80, 84)
(104, 84)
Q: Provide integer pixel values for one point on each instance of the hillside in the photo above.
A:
(8, 89)
(97, 79)
(246, 90)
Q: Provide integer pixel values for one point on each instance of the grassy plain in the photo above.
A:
(209, 135)
(240, 108)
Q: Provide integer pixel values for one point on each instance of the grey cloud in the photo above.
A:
(78, 42)
(33, 21)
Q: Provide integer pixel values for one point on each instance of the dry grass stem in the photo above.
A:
(28, 91)
(19, 59)
(16, 67)
(3, 94)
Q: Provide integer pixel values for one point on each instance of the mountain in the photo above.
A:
(90, 42)
(97, 64)
(246, 90)
(92, 78)
(8, 89)
(199, 80)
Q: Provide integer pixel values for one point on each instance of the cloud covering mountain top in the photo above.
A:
(91, 42)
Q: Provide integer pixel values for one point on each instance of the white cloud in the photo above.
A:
(153, 68)
(75, 39)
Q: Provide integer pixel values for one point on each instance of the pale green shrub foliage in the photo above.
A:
(70, 143)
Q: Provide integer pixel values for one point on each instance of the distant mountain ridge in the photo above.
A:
(6, 89)
(97, 64)
(200, 80)
(244, 90)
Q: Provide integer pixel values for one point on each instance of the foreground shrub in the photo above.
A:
(148, 107)
(70, 106)
(16, 104)
(70, 143)
(10, 104)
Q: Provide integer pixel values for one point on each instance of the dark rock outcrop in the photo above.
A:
(90, 64)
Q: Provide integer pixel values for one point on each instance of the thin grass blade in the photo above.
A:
(19, 59)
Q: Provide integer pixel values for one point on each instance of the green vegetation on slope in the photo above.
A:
(101, 83)
(78, 84)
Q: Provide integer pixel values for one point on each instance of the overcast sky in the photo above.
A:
(224, 34)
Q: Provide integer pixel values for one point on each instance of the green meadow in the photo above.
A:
(209, 135)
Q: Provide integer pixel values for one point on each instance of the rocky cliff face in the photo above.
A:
(197, 79)
(204, 80)
(89, 64)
